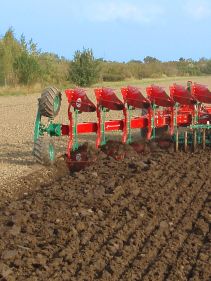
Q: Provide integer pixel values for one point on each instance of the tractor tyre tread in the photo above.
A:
(41, 151)
(46, 102)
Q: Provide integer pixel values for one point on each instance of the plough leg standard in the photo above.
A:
(184, 115)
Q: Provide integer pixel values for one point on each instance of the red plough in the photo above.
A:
(185, 107)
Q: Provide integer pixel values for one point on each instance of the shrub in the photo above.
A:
(84, 68)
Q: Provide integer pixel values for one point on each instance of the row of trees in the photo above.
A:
(22, 63)
(85, 70)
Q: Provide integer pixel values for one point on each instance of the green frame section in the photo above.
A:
(56, 103)
(103, 139)
(52, 129)
(153, 121)
(37, 126)
(129, 139)
(75, 132)
(200, 126)
(199, 134)
(51, 151)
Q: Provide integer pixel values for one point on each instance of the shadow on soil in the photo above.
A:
(14, 154)
(21, 154)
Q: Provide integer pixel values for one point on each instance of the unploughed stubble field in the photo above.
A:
(143, 218)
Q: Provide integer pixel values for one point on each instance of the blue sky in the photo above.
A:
(118, 30)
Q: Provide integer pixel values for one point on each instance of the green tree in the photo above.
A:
(149, 59)
(207, 67)
(9, 49)
(54, 69)
(27, 69)
(26, 65)
(84, 68)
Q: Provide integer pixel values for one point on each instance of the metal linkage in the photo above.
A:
(129, 139)
(193, 136)
(134, 99)
(107, 100)
(75, 130)
(52, 129)
(102, 126)
(79, 101)
(153, 121)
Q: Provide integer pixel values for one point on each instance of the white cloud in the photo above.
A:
(198, 9)
(113, 10)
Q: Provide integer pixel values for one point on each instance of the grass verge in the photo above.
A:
(163, 82)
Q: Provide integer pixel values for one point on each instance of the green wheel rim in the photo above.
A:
(56, 104)
(51, 152)
(37, 126)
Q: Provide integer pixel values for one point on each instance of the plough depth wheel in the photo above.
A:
(50, 102)
(44, 151)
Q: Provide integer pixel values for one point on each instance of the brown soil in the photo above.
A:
(136, 219)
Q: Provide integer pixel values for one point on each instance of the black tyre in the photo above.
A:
(44, 151)
(50, 102)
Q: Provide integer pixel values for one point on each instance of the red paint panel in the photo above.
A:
(87, 128)
(158, 96)
(79, 100)
(184, 119)
(107, 98)
(133, 97)
(139, 122)
(201, 93)
(181, 95)
(114, 125)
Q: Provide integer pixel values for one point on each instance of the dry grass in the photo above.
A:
(19, 90)
(163, 82)
(142, 84)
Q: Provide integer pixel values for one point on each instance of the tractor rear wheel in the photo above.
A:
(50, 102)
(44, 151)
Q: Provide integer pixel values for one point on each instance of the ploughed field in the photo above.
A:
(143, 218)
(146, 217)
